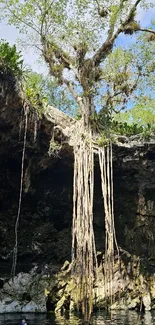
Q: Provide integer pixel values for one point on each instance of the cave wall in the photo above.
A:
(44, 233)
(135, 201)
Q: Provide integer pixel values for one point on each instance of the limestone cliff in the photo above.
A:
(44, 230)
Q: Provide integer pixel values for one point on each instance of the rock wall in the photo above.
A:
(135, 200)
(44, 233)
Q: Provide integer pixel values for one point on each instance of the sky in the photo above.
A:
(11, 34)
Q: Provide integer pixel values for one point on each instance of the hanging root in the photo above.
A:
(20, 123)
(83, 243)
(106, 168)
(35, 119)
(15, 250)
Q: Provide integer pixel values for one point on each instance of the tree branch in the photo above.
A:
(43, 15)
(133, 9)
(147, 30)
(112, 27)
(73, 92)
(107, 46)
(28, 24)
(58, 55)
(59, 75)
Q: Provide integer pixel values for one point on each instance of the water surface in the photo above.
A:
(100, 318)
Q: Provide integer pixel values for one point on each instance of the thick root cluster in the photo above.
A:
(83, 242)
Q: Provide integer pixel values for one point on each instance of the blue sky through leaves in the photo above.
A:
(11, 34)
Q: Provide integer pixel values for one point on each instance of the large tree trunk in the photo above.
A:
(88, 111)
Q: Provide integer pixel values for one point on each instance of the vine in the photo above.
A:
(15, 250)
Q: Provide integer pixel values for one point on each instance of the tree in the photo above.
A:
(10, 60)
(75, 38)
(73, 41)
(42, 88)
(140, 108)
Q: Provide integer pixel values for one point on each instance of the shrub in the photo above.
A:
(10, 59)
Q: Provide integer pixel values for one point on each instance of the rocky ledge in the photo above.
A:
(50, 289)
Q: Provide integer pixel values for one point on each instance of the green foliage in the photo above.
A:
(10, 60)
(141, 114)
(54, 148)
(96, 122)
(34, 91)
(123, 128)
(103, 140)
(71, 35)
(40, 90)
(141, 122)
(78, 115)
(132, 27)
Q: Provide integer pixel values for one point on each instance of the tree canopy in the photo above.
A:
(78, 40)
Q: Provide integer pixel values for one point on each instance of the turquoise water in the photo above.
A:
(100, 318)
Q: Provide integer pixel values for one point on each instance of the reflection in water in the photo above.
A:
(67, 319)
(100, 318)
(114, 318)
(148, 319)
(117, 318)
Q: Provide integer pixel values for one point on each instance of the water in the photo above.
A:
(100, 318)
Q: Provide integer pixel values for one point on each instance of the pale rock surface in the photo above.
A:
(119, 305)
(134, 302)
(26, 293)
(147, 301)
